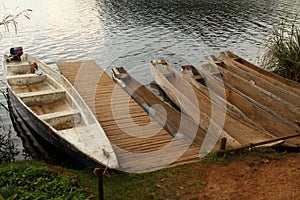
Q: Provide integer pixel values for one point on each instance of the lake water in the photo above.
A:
(130, 33)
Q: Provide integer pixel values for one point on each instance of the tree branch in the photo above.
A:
(11, 19)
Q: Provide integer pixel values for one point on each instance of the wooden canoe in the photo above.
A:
(171, 119)
(268, 83)
(201, 81)
(51, 106)
(270, 112)
(211, 114)
(273, 78)
(278, 104)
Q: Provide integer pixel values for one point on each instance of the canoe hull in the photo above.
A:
(51, 107)
(183, 95)
(167, 116)
(45, 132)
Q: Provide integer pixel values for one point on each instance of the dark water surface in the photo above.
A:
(132, 32)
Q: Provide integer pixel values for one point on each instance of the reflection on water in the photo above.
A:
(132, 32)
(106, 29)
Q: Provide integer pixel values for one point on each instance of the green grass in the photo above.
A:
(34, 180)
(173, 183)
(282, 54)
(162, 184)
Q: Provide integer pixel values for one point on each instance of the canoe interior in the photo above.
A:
(266, 99)
(172, 120)
(44, 96)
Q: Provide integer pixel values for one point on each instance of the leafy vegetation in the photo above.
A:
(32, 180)
(7, 149)
(282, 54)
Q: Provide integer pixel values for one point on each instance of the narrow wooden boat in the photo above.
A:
(51, 106)
(198, 80)
(177, 124)
(283, 91)
(273, 78)
(267, 98)
(259, 108)
(176, 88)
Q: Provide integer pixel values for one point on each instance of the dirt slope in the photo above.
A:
(253, 177)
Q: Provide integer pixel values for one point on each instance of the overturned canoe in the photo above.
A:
(176, 88)
(51, 106)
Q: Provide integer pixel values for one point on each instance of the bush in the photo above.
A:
(282, 54)
(25, 180)
(7, 148)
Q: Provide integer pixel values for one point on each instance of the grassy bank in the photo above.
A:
(37, 180)
(186, 181)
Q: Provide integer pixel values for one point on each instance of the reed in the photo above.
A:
(282, 55)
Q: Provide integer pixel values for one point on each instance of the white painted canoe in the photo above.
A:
(51, 106)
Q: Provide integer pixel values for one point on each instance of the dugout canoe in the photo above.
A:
(280, 89)
(182, 94)
(200, 80)
(273, 78)
(260, 93)
(266, 109)
(270, 115)
(177, 124)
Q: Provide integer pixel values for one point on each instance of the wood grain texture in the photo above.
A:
(128, 127)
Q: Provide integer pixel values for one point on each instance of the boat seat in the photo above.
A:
(18, 68)
(25, 79)
(42, 97)
(17, 64)
(59, 114)
(63, 119)
(21, 76)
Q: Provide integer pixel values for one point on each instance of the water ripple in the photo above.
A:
(132, 32)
